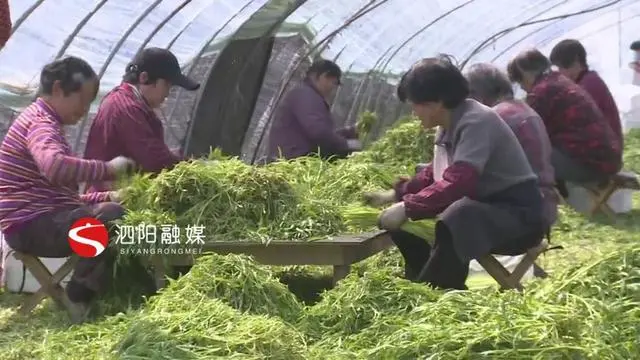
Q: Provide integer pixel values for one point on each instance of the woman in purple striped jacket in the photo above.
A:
(39, 178)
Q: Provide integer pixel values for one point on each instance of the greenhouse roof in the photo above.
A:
(227, 46)
(388, 36)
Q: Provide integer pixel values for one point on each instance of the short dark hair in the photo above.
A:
(71, 71)
(567, 52)
(527, 61)
(325, 67)
(435, 79)
(635, 46)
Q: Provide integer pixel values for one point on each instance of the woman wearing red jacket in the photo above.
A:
(5, 22)
(585, 148)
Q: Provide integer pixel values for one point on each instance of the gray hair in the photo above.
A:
(488, 84)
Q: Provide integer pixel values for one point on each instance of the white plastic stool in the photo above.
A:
(16, 278)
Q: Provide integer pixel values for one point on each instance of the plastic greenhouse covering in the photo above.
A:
(373, 42)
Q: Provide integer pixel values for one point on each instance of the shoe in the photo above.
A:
(78, 311)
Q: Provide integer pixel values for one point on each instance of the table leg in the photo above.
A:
(539, 272)
(159, 272)
(340, 272)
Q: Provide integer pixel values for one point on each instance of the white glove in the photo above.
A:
(354, 145)
(380, 198)
(120, 165)
(393, 217)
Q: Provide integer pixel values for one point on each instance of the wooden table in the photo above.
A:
(340, 251)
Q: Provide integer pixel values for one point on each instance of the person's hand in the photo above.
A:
(379, 198)
(117, 195)
(393, 217)
(354, 145)
(120, 164)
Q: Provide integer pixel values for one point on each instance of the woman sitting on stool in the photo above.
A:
(487, 198)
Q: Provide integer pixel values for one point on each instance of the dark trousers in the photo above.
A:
(569, 170)
(47, 236)
(439, 265)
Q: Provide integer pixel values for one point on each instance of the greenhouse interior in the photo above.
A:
(247, 55)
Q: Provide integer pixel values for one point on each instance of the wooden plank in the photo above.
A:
(344, 240)
(343, 250)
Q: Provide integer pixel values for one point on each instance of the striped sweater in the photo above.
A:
(38, 173)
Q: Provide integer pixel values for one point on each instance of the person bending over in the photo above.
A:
(39, 178)
(585, 148)
(488, 197)
(490, 86)
(571, 59)
(303, 124)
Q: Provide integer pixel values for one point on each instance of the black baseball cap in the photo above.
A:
(162, 64)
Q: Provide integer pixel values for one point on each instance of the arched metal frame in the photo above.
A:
(485, 43)
(161, 24)
(25, 15)
(380, 65)
(359, 14)
(112, 54)
(81, 24)
(481, 47)
(535, 31)
(197, 57)
(220, 120)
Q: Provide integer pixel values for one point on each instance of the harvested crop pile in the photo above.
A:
(229, 307)
(204, 328)
(341, 182)
(406, 144)
(240, 283)
(226, 306)
(232, 200)
(358, 302)
(300, 199)
(380, 317)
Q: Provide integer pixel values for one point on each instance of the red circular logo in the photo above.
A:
(88, 237)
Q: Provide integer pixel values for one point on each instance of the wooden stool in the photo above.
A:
(600, 195)
(561, 199)
(511, 280)
(49, 283)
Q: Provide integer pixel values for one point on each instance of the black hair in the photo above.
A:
(132, 75)
(567, 52)
(71, 71)
(325, 67)
(435, 79)
(635, 46)
(400, 91)
(527, 61)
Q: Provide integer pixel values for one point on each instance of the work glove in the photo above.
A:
(393, 217)
(120, 164)
(354, 145)
(380, 198)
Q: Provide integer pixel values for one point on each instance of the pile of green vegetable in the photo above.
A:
(230, 307)
(301, 199)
